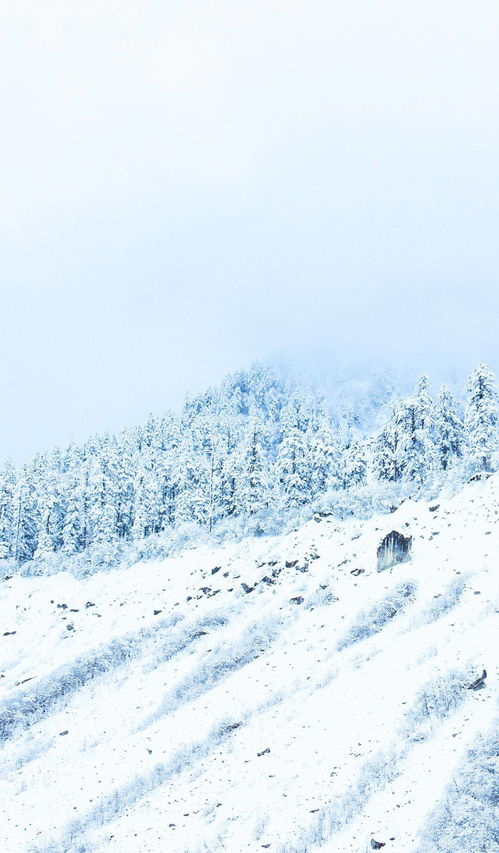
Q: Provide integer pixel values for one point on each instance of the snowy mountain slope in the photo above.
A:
(276, 694)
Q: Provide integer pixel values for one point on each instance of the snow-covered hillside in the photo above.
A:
(276, 694)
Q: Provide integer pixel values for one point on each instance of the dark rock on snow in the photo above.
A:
(479, 682)
(231, 727)
(482, 475)
(395, 548)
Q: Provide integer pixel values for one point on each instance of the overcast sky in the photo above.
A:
(189, 186)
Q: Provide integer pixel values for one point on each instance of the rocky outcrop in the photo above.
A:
(395, 548)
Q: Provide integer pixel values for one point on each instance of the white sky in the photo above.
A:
(188, 186)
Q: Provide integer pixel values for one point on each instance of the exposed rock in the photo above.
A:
(264, 752)
(156, 612)
(357, 572)
(377, 845)
(90, 604)
(290, 564)
(482, 475)
(298, 599)
(479, 682)
(395, 548)
(215, 570)
(231, 727)
(434, 508)
(268, 580)
(65, 732)
(247, 588)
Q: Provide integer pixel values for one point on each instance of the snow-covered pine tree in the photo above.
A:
(147, 497)
(166, 469)
(294, 454)
(354, 465)
(51, 514)
(425, 405)
(410, 461)
(227, 476)
(193, 476)
(481, 418)
(25, 518)
(120, 468)
(72, 525)
(325, 456)
(252, 481)
(8, 479)
(386, 454)
(415, 447)
(448, 431)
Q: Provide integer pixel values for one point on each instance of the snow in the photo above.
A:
(238, 721)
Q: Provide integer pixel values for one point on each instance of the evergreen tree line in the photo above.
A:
(253, 448)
